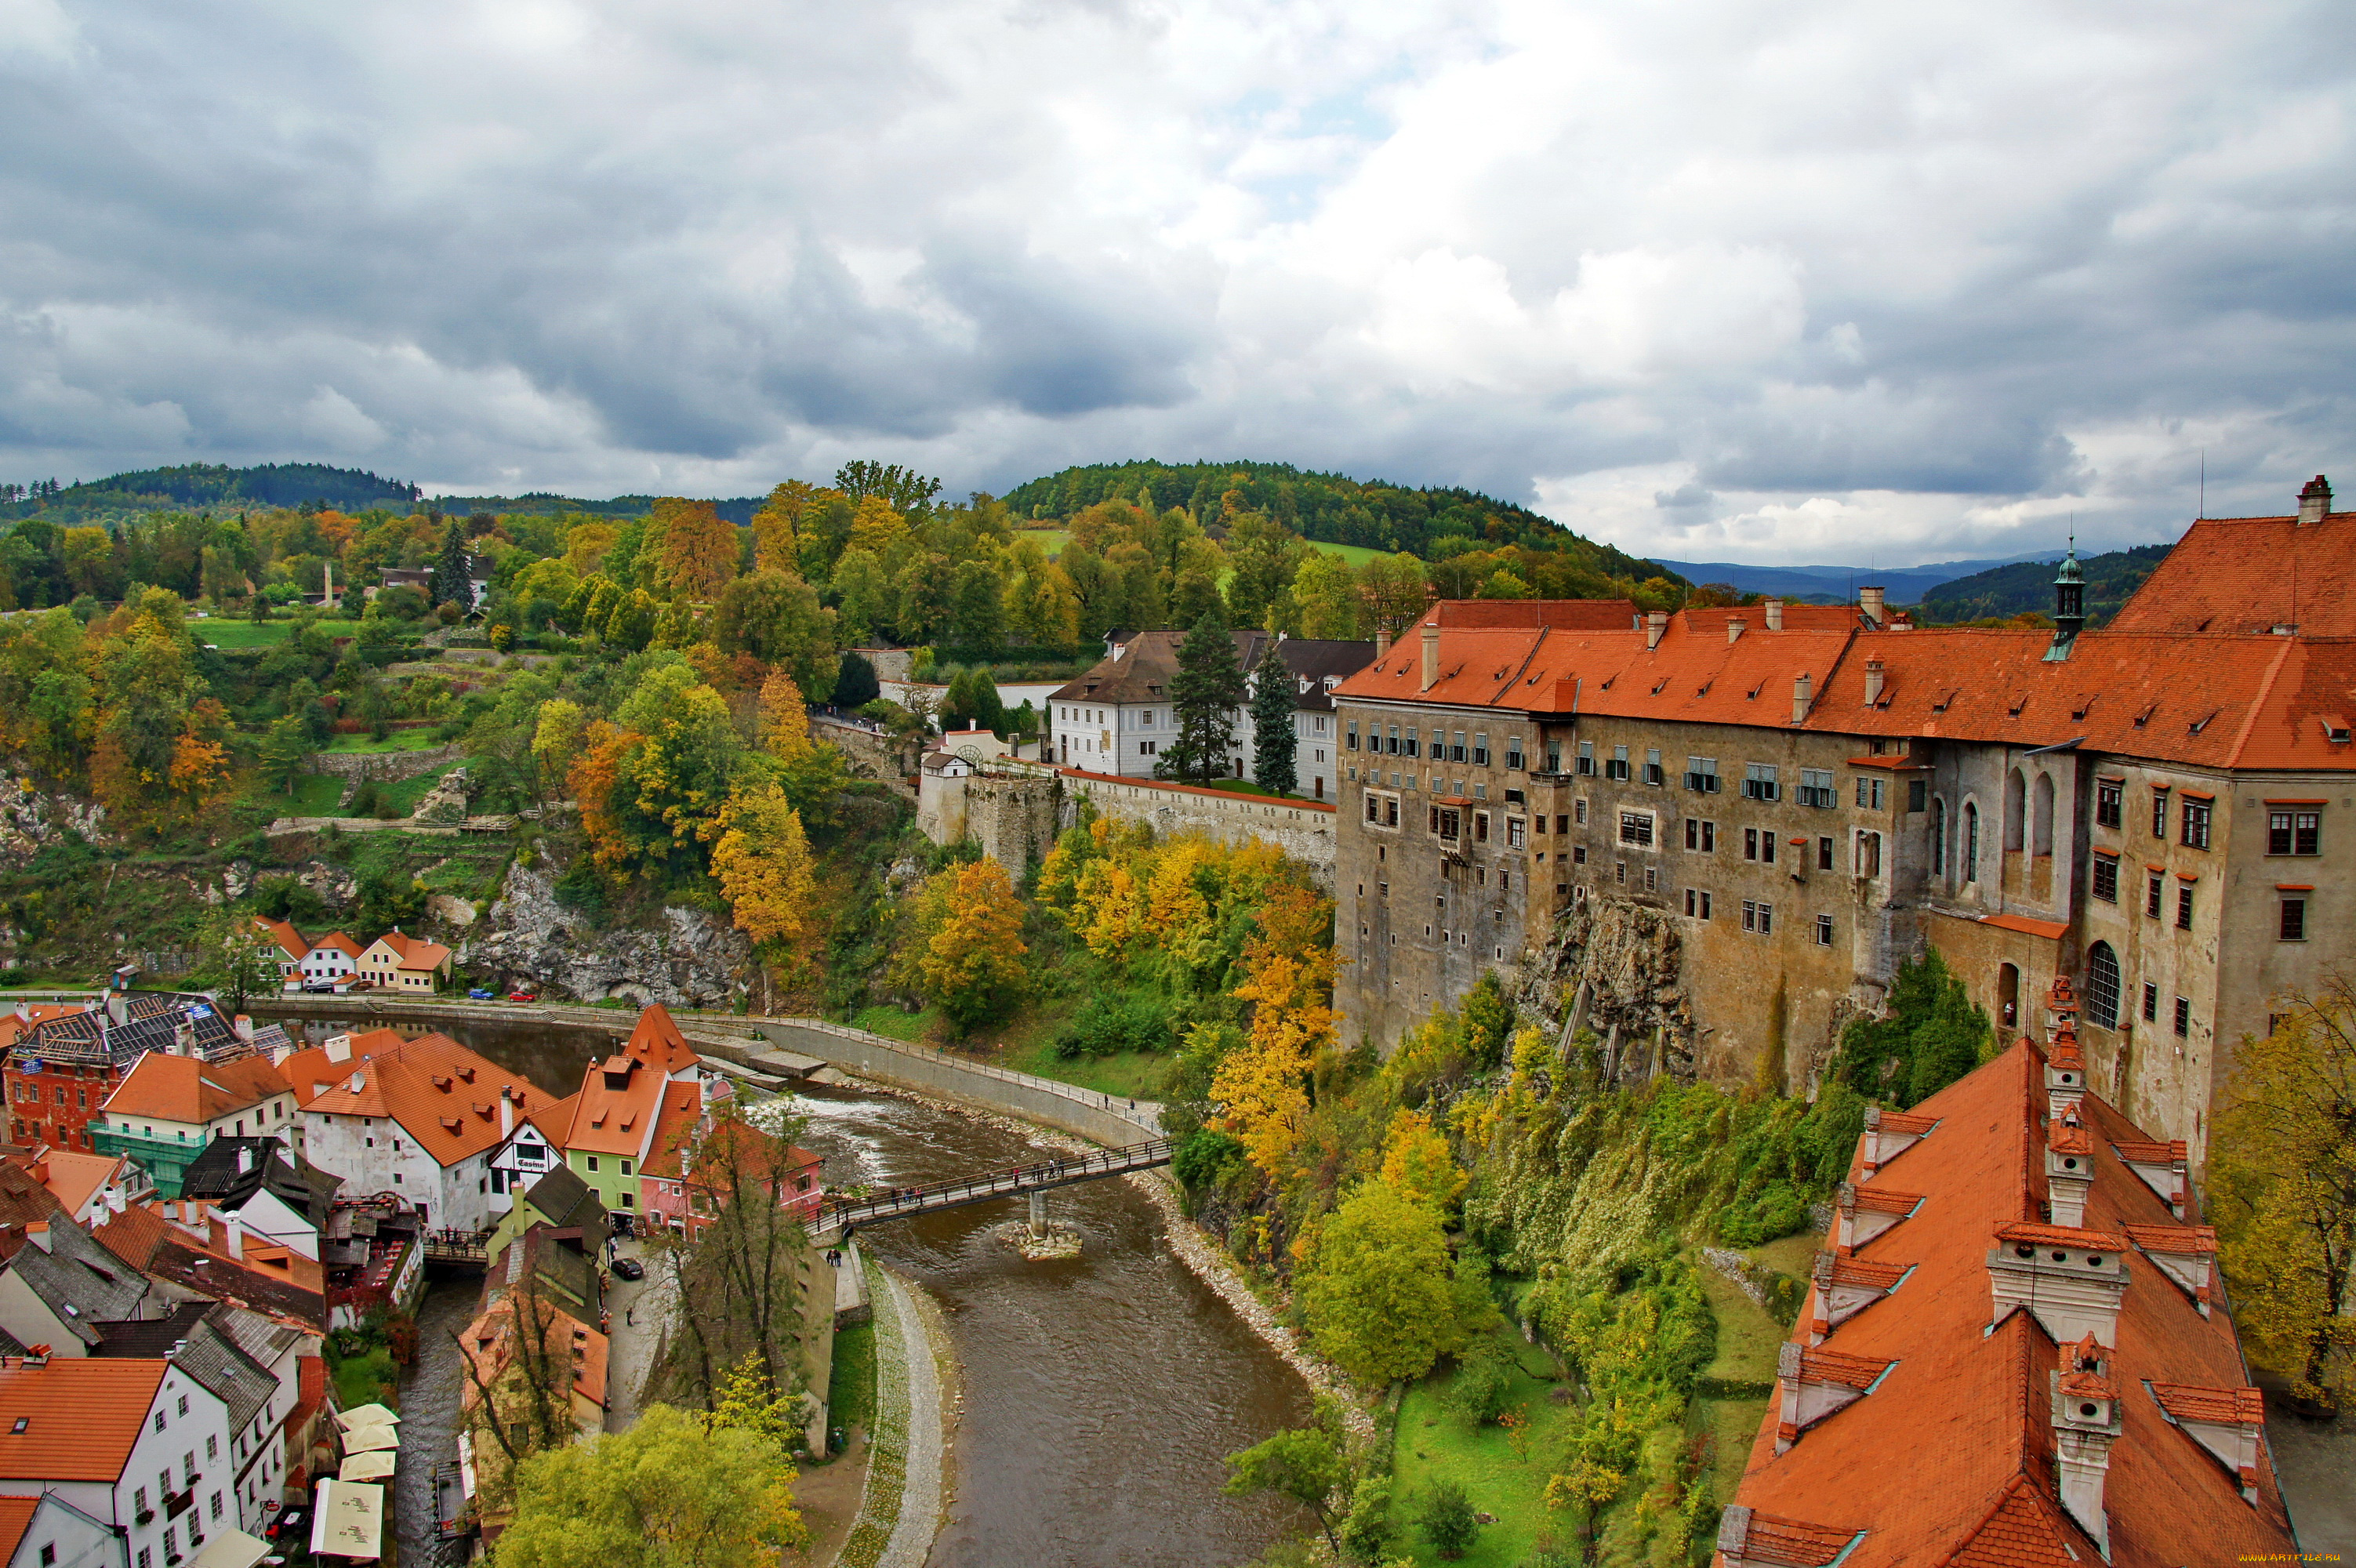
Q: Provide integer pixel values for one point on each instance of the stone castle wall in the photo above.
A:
(1304, 830)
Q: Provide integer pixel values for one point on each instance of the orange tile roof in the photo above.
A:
(443, 1094)
(341, 943)
(589, 1349)
(622, 1097)
(2228, 1406)
(1950, 1459)
(290, 940)
(83, 1415)
(16, 1514)
(2251, 575)
(1563, 615)
(184, 1088)
(682, 1112)
(72, 1178)
(413, 953)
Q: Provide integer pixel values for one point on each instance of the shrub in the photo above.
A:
(1107, 1025)
(1446, 1520)
(1484, 1385)
(1204, 1158)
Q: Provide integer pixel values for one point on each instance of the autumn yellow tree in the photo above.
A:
(557, 737)
(594, 778)
(964, 949)
(876, 527)
(1262, 1090)
(785, 718)
(2283, 1176)
(1417, 1161)
(586, 544)
(700, 548)
(762, 861)
(777, 527)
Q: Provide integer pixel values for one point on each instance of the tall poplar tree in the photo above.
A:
(1204, 696)
(1274, 742)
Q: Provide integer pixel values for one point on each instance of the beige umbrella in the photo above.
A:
(368, 1416)
(373, 1467)
(370, 1439)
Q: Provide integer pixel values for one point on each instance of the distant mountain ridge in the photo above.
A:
(2112, 579)
(1838, 584)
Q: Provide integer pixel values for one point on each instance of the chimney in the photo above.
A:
(244, 1160)
(1382, 642)
(506, 1114)
(1875, 680)
(36, 1231)
(1774, 608)
(2065, 1073)
(1870, 601)
(1735, 626)
(1655, 624)
(2070, 1280)
(2315, 500)
(2086, 1422)
(1803, 693)
(243, 1025)
(1430, 657)
(2068, 1168)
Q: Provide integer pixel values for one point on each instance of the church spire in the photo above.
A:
(2069, 603)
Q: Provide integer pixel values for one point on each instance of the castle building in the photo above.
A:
(1729, 827)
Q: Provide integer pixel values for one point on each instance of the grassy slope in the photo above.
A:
(850, 1390)
(1433, 1444)
(222, 632)
(398, 740)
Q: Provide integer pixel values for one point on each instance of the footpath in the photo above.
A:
(900, 1511)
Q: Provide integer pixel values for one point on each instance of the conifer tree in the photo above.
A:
(1273, 740)
(453, 582)
(1204, 696)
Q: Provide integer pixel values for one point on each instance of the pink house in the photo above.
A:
(674, 1194)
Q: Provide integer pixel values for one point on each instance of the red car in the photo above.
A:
(523, 995)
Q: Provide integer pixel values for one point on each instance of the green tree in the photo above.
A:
(285, 748)
(668, 1493)
(1446, 1520)
(1304, 1463)
(1274, 743)
(1366, 1532)
(1376, 1288)
(631, 625)
(2284, 1177)
(452, 581)
(1204, 696)
(777, 619)
(978, 608)
(1325, 596)
(854, 682)
(1931, 1036)
(972, 698)
(240, 961)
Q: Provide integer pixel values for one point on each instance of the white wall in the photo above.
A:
(376, 1155)
(73, 1538)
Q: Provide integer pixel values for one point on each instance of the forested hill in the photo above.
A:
(2110, 580)
(1332, 509)
(208, 487)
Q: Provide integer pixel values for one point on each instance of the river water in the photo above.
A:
(1100, 1393)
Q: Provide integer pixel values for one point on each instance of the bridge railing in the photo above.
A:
(1145, 1114)
(1095, 1164)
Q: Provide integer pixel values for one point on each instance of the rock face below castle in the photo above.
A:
(688, 959)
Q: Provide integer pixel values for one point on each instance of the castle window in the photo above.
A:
(1618, 767)
(2110, 796)
(2102, 986)
(1701, 774)
(1759, 782)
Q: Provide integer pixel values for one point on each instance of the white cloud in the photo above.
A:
(1921, 280)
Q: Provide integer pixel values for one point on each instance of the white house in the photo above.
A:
(133, 1442)
(419, 1119)
(47, 1531)
(171, 1106)
(275, 1201)
(529, 1153)
(333, 958)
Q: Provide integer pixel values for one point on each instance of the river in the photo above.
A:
(1099, 1393)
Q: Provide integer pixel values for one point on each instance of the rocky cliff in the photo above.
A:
(684, 958)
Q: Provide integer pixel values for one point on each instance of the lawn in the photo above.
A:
(420, 739)
(1128, 1075)
(850, 1389)
(1749, 1340)
(399, 798)
(314, 795)
(226, 634)
(1026, 1044)
(1356, 555)
(890, 1022)
(1434, 1444)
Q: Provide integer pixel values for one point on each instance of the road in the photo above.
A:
(641, 1308)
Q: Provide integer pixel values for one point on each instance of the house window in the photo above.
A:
(1618, 767)
(1652, 774)
(1516, 832)
(1702, 837)
(2159, 812)
(1701, 775)
(1447, 821)
(1479, 751)
(625, 1167)
(1698, 903)
(2103, 986)
(1513, 752)
(1636, 828)
(1554, 756)
(1825, 855)
(2293, 833)
(1578, 813)
(2183, 1016)
(1868, 854)
(1816, 789)
(1757, 916)
(1869, 792)
(1587, 757)
(593, 1162)
(1971, 841)
(2293, 919)
(2184, 906)
(1759, 782)
(1824, 931)
(1938, 838)
(1353, 735)
(2106, 878)
(2110, 798)
(2151, 895)
(1480, 827)
(1759, 844)
(2195, 818)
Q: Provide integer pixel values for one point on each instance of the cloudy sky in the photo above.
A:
(1713, 280)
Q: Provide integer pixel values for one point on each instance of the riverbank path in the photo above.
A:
(904, 1203)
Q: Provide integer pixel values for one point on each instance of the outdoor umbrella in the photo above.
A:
(368, 1416)
(369, 1439)
(375, 1466)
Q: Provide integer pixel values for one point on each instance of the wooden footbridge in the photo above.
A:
(906, 1203)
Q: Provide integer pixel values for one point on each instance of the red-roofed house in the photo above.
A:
(410, 965)
(1709, 808)
(47, 1530)
(619, 1108)
(287, 949)
(171, 1106)
(130, 1442)
(676, 1193)
(1977, 1382)
(333, 959)
(88, 1187)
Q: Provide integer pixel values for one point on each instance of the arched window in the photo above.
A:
(2040, 821)
(1939, 837)
(2016, 808)
(2102, 986)
(1971, 841)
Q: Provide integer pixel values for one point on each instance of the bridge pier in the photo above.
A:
(1039, 1215)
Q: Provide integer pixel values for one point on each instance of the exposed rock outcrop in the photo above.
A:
(1615, 969)
(31, 819)
(687, 960)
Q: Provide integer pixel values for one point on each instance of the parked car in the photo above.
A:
(482, 994)
(523, 995)
(629, 1269)
(315, 987)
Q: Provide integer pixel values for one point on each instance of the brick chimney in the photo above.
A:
(1802, 694)
(1655, 624)
(2065, 1073)
(1735, 626)
(1430, 657)
(1869, 600)
(2070, 1280)
(2069, 1167)
(1875, 679)
(1382, 642)
(1774, 608)
(2315, 500)
(2086, 1423)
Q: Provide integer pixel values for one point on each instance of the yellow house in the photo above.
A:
(400, 963)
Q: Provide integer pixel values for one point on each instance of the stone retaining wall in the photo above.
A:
(380, 765)
(1304, 830)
